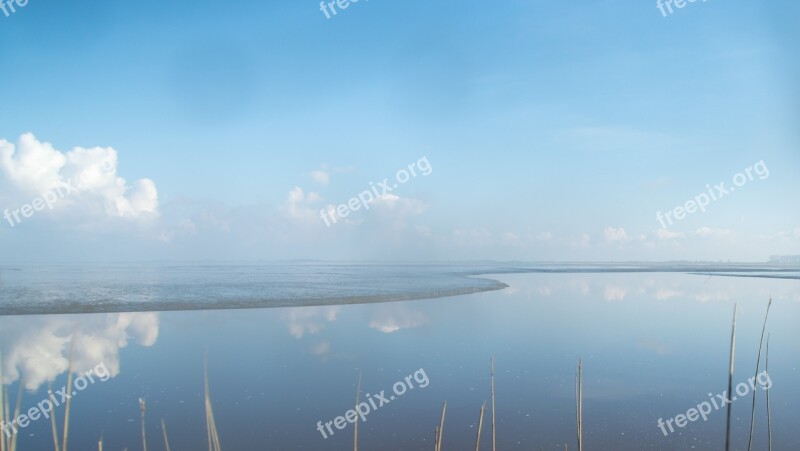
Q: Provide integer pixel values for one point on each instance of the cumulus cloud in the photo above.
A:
(39, 347)
(321, 176)
(300, 206)
(85, 178)
(664, 234)
(397, 318)
(712, 233)
(308, 320)
(614, 293)
(613, 234)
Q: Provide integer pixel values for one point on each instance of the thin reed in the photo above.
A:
(53, 426)
(142, 408)
(164, 431)
(2, 405)
(69, 385)
(579, 402)
(769, 412)
(758, 364)
(730, 382)
(480, 425)
(211, 425)
(13, 446)
(355, 424)
(492, 383)
(440, 429)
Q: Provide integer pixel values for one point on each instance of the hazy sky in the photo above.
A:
(552, 130)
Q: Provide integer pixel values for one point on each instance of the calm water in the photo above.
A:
(654, 344)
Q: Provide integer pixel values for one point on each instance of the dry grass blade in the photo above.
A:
(68, 387)
(579, 402)
(730, 382)
(211, 425)
(13, 445)
(5, 409)
(436, 438)
(480, 425)
(769, 412)
(493, 430)
(164, 431)
(142, 408)
(100, 444)
(2, 406)
(438, 446)
(758, 364)
(53, 426)
(355, 424)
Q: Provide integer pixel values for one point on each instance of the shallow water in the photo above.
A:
(653, 346)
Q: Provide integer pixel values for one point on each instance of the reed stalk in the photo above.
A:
(211, 425)
(769, 411)
(53, 426)
(164, 431)
(6, 413)
(579, 402)
(480, 425)
(142, 408)
(2, 405)
(438, 446)
(13, 446)
(758, 364)
(355, 424)
(492, 383)
(69, 387)
(730, 382)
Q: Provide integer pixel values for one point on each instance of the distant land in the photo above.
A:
(784, 259)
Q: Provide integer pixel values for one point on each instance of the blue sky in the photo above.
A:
(555, 131)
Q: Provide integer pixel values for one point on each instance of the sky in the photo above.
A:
(538, 130)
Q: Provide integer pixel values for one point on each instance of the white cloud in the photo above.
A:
(545, 236)
(582, 241)
(309, 320)
(713, 233)
(394, 319)
(32, 168)
(321, 176)
(300, 206)
(39, 347)
(614, 293)
(664, 234)
(613, 234)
